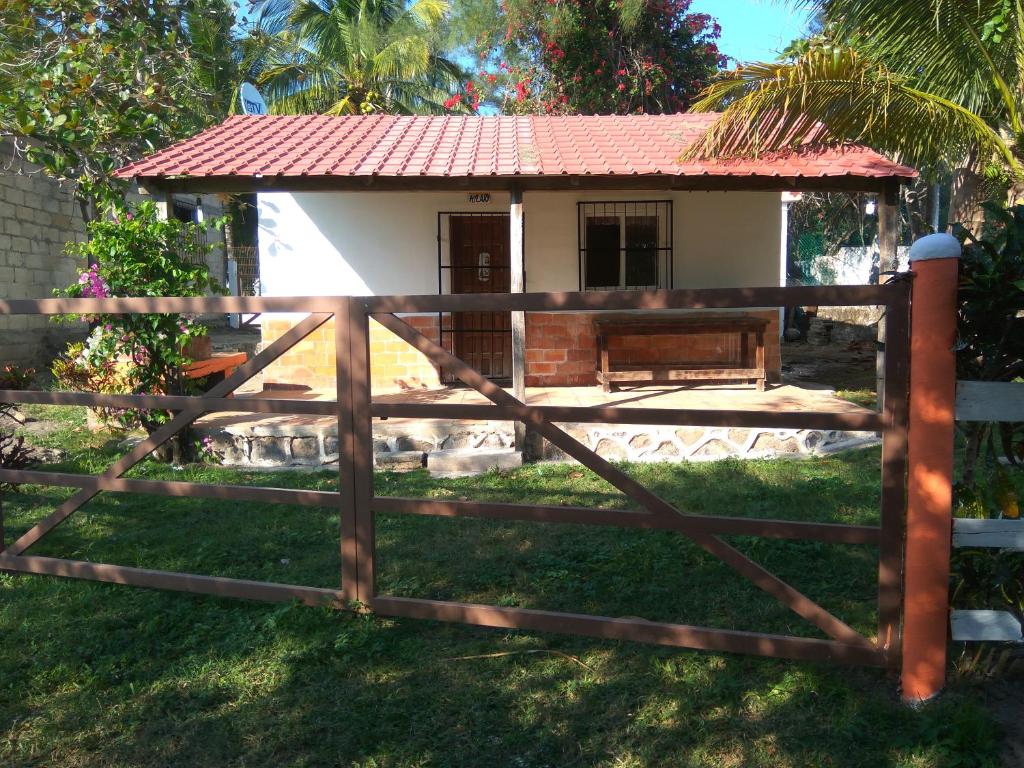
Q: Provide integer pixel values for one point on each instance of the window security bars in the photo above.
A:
(625, 245)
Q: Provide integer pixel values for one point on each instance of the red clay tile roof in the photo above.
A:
(456, 146)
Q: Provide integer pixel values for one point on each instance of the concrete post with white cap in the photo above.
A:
(934, 261)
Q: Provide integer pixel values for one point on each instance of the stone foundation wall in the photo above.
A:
(650, 443)
(406, 446)
(394, 365)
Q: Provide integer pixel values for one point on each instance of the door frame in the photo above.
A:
(444, 286)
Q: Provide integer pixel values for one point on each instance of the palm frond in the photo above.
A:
(428, 13)
(630, 12)
(967, 52)
(331, 54)
(834, 95)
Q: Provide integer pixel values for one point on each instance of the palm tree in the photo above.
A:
(355, 56)
(213, 50)
(934, 83)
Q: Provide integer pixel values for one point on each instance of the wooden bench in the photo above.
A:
(220, 364)
(611, 374)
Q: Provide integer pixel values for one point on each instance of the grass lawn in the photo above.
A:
(101, 675)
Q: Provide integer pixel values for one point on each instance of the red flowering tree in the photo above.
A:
(587, 56)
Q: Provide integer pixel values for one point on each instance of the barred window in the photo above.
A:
(625, 245)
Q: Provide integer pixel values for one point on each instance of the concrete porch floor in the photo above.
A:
(402, 443)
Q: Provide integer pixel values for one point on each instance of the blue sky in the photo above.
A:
(754, 30)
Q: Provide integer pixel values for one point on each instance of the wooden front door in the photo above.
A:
(480, 264)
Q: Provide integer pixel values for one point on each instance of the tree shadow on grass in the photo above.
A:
(654, 574)
(98, 675)
(131, 677)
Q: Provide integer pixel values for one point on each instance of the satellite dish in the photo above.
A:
(252, 102)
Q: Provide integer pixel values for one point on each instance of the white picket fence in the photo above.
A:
(988, 401)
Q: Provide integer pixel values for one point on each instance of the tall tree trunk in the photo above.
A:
(888, 234)
(1015, 194)
(87, 206)
(967, 195)
(228, 204)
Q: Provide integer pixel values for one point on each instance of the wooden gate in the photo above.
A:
(358, 504)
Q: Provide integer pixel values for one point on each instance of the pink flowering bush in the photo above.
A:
(93, 284)
(205, 451)
(80, 370)
(135, 253)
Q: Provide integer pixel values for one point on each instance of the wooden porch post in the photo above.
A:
(888, 237)
(935, 260)
(234, 319)
(888, 227)
(518, 285)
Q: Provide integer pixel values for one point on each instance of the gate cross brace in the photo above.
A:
(183, 419)
(654, 504)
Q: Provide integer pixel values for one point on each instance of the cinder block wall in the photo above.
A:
(38, 216)
(394, 365)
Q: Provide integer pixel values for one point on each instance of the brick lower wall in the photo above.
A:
(394, 365)
(561, 351)
(561, 348)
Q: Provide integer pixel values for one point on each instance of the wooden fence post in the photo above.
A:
(934, 261)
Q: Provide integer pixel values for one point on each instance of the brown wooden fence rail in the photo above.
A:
(358, 504)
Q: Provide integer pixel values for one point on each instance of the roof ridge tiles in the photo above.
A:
(378, 130)
(326, 130)
(281, 149)
(468, 146)
(432, 150)
(222, 160)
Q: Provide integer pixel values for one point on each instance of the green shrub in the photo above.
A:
(14, 454)
(135, 253)
(990, 347)
(990, 336)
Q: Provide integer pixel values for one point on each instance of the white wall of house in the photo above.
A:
(854, 265)
(354, 243)
(720, 239)
(367, 243)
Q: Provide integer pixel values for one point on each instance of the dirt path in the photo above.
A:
(841, 365)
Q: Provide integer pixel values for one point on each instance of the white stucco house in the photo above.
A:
(423, 205)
